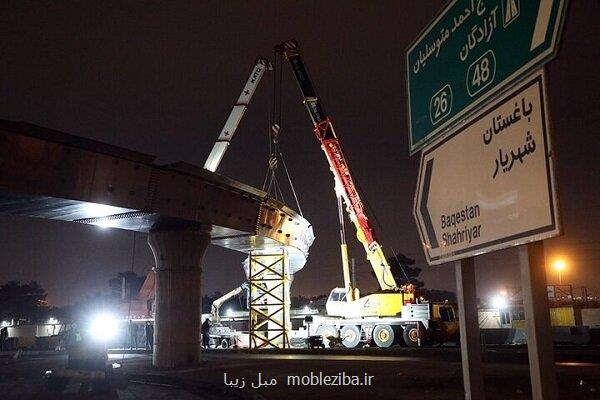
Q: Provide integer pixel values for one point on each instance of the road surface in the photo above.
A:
(365, 373)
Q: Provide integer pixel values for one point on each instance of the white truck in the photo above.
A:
(417, 324)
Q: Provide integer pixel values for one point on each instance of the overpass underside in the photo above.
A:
(184, 208)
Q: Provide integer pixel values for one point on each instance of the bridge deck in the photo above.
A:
(50, 174)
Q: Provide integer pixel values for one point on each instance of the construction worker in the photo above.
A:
(3, 337)
(149, 336)
(76, 348)
(205, 329)
(133, 334)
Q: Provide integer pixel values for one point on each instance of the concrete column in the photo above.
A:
(178, 254)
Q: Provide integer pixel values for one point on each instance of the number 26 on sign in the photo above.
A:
(440, 104)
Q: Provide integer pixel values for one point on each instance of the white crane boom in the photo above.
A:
(220, 147)
(216, 305)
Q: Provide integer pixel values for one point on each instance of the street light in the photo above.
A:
(499, 302)
(559, 266)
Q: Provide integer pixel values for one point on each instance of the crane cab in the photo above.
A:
(372, 305)
(336, 302)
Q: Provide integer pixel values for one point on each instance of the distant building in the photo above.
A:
(142, 304)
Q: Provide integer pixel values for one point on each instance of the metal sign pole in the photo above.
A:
(470, 348)
(539, 333)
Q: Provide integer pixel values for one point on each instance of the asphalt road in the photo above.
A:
(396, 374)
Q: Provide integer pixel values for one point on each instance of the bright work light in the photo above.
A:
(103, 327)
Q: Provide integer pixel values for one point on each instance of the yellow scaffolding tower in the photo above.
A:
(269, 301)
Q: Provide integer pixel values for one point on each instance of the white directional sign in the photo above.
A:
(490, 184)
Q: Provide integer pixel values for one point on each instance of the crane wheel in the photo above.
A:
(411, 335)
(326, 332)
(350, 335)
(383, 336)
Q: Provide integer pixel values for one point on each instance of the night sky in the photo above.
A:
(161, 78)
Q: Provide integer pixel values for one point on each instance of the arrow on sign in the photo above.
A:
(541, 24)
(423, 208)
(472, 51)
(492, 186)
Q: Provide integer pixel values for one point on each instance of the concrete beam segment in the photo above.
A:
(55, 175)
(178, 253)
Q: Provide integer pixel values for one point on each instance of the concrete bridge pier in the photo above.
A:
(178, 252)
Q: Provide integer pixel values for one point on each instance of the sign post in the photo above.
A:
(470, 52)
(539, 332)
(490, 185)
(470, 346)
(487, 186)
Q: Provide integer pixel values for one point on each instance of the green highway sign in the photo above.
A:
(472, 50)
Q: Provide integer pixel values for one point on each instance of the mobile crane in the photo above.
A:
(379, 317)
(215, 308)
(221, 335)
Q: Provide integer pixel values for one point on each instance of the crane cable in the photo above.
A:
(272, 187)
(275, 154)
(130, 293)
(132, 271)
(287, 173)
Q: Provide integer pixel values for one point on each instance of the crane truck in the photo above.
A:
(221, 335)
(391, 315)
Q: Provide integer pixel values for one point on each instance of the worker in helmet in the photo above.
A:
(205, 330)
(133, 335)
(149, 335)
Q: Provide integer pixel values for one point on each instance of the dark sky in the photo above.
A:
(161, 78)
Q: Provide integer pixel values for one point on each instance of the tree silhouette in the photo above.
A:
(402, 268)
(22, 301)
(401, 262)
